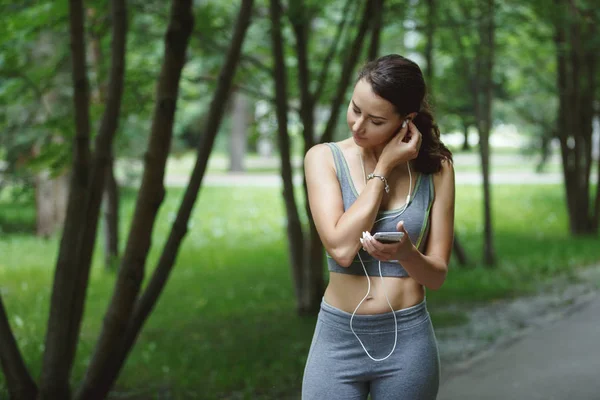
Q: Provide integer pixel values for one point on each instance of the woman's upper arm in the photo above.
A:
(324, 193)
(441, 234)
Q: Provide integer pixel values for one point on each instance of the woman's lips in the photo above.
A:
(357, 137)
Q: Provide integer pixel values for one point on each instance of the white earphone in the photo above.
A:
(381, 276)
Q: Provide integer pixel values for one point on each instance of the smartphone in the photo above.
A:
(388, 237)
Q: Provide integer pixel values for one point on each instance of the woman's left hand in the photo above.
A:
(387, 252)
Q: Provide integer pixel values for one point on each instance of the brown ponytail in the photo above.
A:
(432, 150)
(400, 81)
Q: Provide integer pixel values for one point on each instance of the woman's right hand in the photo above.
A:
(403, 147)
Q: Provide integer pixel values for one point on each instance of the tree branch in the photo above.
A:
(59, 351)
(18, 380)
(244, 58)
(294, 225)
(300, 22)
(121, 336)
(102, 156)
(376, 26)
(252, 92)
(332, 50)
(347, 70)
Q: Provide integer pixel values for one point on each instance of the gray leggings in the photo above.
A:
(338, 368)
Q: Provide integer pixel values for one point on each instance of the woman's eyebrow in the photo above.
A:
(370, 115)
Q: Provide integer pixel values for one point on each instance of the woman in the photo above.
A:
(374, 336)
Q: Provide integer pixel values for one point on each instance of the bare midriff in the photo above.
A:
(345, 291)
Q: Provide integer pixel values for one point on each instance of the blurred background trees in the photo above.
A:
(489, 64)
(278, 74)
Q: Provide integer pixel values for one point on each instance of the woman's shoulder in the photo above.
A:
(444, 178)
(320, 150)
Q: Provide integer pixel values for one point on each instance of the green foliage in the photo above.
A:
(225, 325)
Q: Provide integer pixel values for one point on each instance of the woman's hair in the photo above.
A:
(400, 81)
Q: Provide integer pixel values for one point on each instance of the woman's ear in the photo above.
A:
(411, 116)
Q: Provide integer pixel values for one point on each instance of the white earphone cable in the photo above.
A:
(381, 276)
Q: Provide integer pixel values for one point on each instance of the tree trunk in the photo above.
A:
(18, 381)
(59, 351)
(307, 272)
(429, 34)
(483, 106)
(298, 242)
(294, 225)
(314, 286)
(301, 27)
(376, 27)
(111, 189)
(239, 132)
(466, 146)
(576, 60)
(596, 215)
(347, 70)
(111, 217)
(459, 251)
(347, 13)
(106, 375)
(314, 265)
(151, 193)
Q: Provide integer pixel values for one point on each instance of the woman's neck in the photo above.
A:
(371, 153)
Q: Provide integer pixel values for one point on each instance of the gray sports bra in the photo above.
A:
(415, 217)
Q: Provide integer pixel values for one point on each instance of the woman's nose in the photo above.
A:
(358, 124)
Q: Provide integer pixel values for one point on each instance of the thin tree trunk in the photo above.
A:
(103, 143)
(429, 34)
(314, 265)
(294, 225)
(107, 372)
(111, 188)
(459, 251)
(59, 351)
(483, 97)
(84, 202)
(346, 13)
(596, 214)
(19, 382)
(466, 145)
(149, 199)
(306, 281)
(577, 85)
(376, 27)
(347, 70)
(308, 275)
(300, 25)
(111, 217)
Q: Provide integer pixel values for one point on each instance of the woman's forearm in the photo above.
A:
(429, 271)
(357, 219)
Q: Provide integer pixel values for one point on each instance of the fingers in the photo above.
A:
(378, 250)
(400, 227)
(413, 128)
(415, 139)
(402, 132)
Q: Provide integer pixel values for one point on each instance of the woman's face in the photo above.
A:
(372, 120)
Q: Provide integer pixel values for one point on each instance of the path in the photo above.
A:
(558, 361)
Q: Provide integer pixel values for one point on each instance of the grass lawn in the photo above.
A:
(224, 327)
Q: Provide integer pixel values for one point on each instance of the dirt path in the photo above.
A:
(493, 326)
(558, 361)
